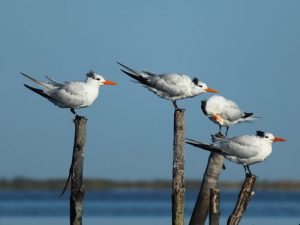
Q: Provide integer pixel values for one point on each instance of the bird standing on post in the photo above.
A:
(72, 95)
(245, 149)
(224, 112)
(170, 86)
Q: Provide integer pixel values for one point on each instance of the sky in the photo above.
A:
(248, 50)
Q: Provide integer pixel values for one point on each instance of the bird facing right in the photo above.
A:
(170, 86)
(245, 149)
(72, 95)
(224, 112)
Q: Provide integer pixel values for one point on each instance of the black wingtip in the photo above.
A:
(247, 114)
(138, 78)
(39, 91)
(33, 89)
(36, 90)
(207, 147)
(121, 64)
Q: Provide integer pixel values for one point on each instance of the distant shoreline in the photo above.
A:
(100, 184)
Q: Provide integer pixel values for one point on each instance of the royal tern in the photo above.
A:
(224, 112)
(170, 86)
(245, 149)
(72, 95)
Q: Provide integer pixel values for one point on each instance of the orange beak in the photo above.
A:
(109, 82)
(211, 90)
(278, 139)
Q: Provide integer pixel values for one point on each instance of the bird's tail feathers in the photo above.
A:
(249, 118)
(203, 146)
(43, 84)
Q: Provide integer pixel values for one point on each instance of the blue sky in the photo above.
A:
(248, 50)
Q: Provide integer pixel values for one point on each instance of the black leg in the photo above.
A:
(75, 114)
(175, 105)
(226, 130)
(220, 127)
(247, 170)
(73, 111)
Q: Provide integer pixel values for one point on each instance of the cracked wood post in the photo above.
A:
(76, 173)
(244, 197)
(178, 169)
(210, 178)
(214, 212)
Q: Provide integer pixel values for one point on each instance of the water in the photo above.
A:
(139, 207)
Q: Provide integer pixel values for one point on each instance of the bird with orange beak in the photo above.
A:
(245, 149)
(224, 112)
(72, 95)
(170, 86)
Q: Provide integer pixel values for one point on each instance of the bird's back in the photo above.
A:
(74, 94)
(170, 86)
(232, 112)
(245, 149)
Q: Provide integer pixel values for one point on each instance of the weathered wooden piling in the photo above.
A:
(214, 212)
(210, 178)
(76, 172)
(244, 197)
(178, 189)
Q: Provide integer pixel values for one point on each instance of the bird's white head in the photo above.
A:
(202, 87)
(269, 137)
(97, 80)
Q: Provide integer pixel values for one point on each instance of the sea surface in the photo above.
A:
(139, 207)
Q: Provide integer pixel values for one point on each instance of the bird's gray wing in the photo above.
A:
(240, 147)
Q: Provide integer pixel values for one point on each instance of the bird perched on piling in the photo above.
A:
(224, 112)
(72, 95)
(245, 149)
(170, 86)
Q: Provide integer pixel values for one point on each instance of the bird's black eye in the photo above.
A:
(266, 136)
(97, 78)
(200, 85)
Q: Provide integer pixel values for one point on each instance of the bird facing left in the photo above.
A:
(73, 94)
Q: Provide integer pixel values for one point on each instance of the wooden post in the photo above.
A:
(210, 179)
(76, 172)
(214, 212)
(244, 197)
(178, 169)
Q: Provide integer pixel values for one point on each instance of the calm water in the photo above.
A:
(135, 206)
